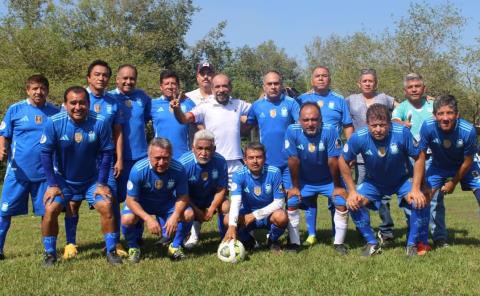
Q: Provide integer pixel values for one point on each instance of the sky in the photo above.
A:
(295, 24)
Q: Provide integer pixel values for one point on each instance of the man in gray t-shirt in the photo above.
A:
(358, 105)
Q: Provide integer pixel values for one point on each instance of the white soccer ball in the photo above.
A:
(232, 251)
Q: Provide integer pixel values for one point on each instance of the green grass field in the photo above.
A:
(315, 271)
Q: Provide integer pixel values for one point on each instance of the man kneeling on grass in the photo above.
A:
(385, 148)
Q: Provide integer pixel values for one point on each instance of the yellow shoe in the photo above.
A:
(70, 252)
(121, 251)
(310, 241)
(176, 254)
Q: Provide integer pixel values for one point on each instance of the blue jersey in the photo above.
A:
(448, 149)
(387, 162)
(165, 124)
(204, 179)
(107, 106)
(77, 146)
(313, 152)
(257, 192)
(333, 107)
(273, 118)
(157, 192)
(135, 110)
(23, 125)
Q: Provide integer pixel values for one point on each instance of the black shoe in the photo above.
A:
(250, 243)
(49, 259)
(371, 250)
(292, 248)
(164, 241)
(2, 256)
(274, 246)
(113, 258)
(411, 251)
(384, 239)
(341, 249)
(441, 243)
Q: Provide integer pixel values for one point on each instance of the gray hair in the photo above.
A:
(162, 143)
(366, 72)
(204, 135)
(411, 77)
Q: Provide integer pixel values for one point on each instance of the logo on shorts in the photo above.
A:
(204, 176)
(91, 136)
(268, 188)
(273, 113)
(170, 184)
(331, 105)
(459, 143)
(311, 147)
(158, 184)
(257, 190)
(4, 206)
(394, 148)
(38, 119)
(320, 103)
(345, 148)
(78, 137)
(446, 143)
(214, 174)
(321, 146)
(284, 112)
(382, 151)
(43, 139)
(287, 144)
(128, 103)
(97, 108)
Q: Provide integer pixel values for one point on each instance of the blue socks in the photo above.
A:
(111, 240)
(221, 227)
(361, 218)
(50, 244)
(133, 234)
(311, 214)
(183, 229)
(275, 232)
(4, 226)
(418, 228)
(71, 229)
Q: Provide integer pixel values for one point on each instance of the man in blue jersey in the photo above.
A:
(257, 200)
(20, 133)
(313, 149)
(76, 139)
(164, 123)
(98, 76)
(453, 143)
(157, 192)
(207, 183)
(273, 114)
(386, 148)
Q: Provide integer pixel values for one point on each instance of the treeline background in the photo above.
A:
(60, 38)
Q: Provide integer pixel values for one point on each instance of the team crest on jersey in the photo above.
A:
(109, 109)
(204, 176)
(128, 103)
(321, 146)
(273, 113)
(171, 184)
(394, 148)
(446, 143)
(459, 143)
(311, 147)
(268, 188)
(257, 190)
(382, 151)
(38, 119)
(78, 137)
(3, 125)
(284, 112)
(214, 174)
(331, 104)
(97, 108)
(320, 103)
(91, 136)
(158, 184)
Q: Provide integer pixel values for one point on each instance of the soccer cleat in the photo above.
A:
(176, 254)
(191, 242)
(341, 249)
(121, 251)
(423, 249)
(292, 248)
(385, 239)
(70, 252)
(441, 243)
(411, 251)
(274, 246)
(113, 258)
(371, 250)
(2, 256)
(49, 259)
(163, 241)
(134, 255)
(310, 241)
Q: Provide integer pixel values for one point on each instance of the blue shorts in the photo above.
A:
(258, 224)
(121, 182)
(375, 194)
(78, 192)
(15, 194)
(204, 203)
(162, 213)
(286, 178)
(111, 182)
(436, 177)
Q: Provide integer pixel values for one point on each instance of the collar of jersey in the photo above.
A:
(264, 169)
(91, 93)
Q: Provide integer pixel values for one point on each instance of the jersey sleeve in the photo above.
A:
(48, 139)
(412, 149)
(181, 186)
(351, 148)
(199, 113)
(237, 184)
(189, 105)
(6, 127)
(244, 108)
(399, 112)
(346, 118)
(134, 184)
(295, 110)
(147, 112)
(252, 118)
(390, 102)
(105, 137)
(290, 146)
(334, 143)
(278, 192)
(424, 137)
(223, 174)
(119, 117)
(471, 143)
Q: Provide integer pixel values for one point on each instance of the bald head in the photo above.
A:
(222, 88)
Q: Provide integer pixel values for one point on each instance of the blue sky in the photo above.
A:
(294, 24)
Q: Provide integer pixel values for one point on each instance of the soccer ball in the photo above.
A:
(232, 251)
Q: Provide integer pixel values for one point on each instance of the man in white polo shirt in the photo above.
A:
(223, 116)
(205, 72)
